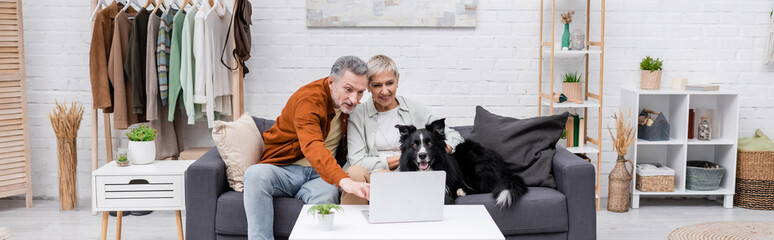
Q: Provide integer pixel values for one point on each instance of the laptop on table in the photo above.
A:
(406, 197)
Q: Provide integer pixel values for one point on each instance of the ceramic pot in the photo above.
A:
(325, 221)
(142, 152)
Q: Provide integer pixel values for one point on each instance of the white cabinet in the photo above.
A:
(679, 149)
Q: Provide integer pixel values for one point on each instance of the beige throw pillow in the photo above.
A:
(240, 145)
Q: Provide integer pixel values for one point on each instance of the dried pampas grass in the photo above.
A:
(66, 122)
(624, 134)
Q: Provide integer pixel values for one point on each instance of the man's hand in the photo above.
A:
(360, 189)
(449, 149)
(393, 162)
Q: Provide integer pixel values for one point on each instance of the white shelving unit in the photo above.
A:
(675, 152)
(550, 52)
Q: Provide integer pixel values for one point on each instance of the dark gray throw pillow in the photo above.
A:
(529, 143)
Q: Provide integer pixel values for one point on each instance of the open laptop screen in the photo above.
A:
(407, 196)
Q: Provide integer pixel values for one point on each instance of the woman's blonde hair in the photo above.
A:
(381, 63)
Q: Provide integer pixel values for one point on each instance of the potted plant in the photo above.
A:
(324, 214)
(572, 87)
(651, 73)
(142, 148)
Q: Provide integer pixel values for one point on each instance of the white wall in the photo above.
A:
(450, 70)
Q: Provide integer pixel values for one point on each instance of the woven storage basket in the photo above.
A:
(701, 178)
(755, 180)
(655, 180)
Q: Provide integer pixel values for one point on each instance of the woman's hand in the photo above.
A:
(449, 149)
(393, 162)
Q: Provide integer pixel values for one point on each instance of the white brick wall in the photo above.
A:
(450, 70)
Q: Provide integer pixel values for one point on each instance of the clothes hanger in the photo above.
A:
(129, 3)
(100, 5)
(187, 2)
(149, 2)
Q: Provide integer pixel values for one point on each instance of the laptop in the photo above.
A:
(406, 197)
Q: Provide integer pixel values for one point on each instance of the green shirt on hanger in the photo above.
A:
(174, 62)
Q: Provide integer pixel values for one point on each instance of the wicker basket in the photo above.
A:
(655, 180)
(702, 178)
(755, 180)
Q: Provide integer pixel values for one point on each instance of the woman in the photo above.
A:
(372, 140)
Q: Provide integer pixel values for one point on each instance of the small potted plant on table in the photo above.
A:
(324, 214)
(142, 148)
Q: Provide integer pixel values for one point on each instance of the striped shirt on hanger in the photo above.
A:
(162, 53)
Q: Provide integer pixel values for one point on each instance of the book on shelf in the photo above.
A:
(570, 131)
(581, 133)
(702, 87)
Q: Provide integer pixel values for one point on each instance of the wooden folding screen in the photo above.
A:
(14, 132)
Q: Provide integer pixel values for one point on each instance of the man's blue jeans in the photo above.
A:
(263, 182)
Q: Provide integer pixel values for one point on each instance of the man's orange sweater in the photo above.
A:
(301, 129)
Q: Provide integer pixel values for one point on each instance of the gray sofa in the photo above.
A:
(214, 211)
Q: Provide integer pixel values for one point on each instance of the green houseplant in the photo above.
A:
(572, 86)
(324, 214)
(142, 147)
(651, 73)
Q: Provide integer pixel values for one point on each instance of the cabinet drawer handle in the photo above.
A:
(139, 181)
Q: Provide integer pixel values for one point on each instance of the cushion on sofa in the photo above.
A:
(240, 145)
(231, 219)
(529, 143)
(541, 210)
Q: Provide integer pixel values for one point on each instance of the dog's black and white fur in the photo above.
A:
(471, 169)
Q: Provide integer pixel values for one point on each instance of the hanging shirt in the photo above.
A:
(199, 43)
(187, 64)
(122, 92)
(218, 78)
(134, 64)
(99, 53)
(174, 62)
(162, 52)
(151, 72)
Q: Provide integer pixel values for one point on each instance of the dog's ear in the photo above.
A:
(405, 131)
(438, 127)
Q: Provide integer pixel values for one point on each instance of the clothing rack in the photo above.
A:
(237, 108)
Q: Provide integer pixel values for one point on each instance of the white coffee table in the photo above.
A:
(459, 222)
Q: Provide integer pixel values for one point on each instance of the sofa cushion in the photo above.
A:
(263, 124)
(463, 130)
(231, 219)
(529, 143)
(541, 210)
(240, 145)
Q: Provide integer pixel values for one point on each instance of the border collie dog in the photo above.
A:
(471, 169)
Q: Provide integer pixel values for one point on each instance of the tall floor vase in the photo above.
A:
(68, 161)
(620, 183)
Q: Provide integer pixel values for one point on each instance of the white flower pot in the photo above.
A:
(142, 152)
(325, 221)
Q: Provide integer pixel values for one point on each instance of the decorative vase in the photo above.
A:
(68, 161)
(620, 183)
(573, 91)
(142, 152)
(651, 80)
(705, 129)
(566, 37)
(325, 221)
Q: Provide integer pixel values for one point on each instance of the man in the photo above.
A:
(298, 160)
